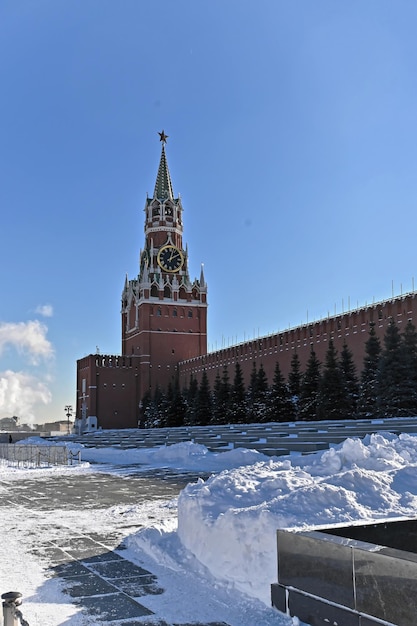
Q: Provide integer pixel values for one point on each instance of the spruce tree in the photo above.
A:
(155, 410)
(392, 375)
(237, 412)
(203, 405)
(217, 400)
(225, 391)
(190, 401)
(331, 400)
(177, 407)
(280, 407)
(257, 395)
(350, 382)
(294, 384)
(409, 348)
(368, 390)
(309, 391)
(251, 395)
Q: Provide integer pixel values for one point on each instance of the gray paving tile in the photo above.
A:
(83, 585)
(113, 607)
(118, 569)
(103, 557)
(68, 570)
(138, 586)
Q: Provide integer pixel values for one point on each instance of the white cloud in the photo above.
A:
(28, 337)
(22, 394)
(47, 310)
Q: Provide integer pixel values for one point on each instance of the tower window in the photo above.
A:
(190, 313)
(159, 312)
(174, 313)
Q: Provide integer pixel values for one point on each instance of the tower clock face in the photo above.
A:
(170, 258)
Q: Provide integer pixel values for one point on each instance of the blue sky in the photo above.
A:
(292, 141)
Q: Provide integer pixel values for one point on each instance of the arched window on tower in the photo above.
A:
(154, 291)
(182, 294)
(158, 311)
(190, 313)
(167, 292)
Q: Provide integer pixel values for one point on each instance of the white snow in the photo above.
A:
(223, 530)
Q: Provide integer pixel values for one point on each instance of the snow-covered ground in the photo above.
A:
(221, 533)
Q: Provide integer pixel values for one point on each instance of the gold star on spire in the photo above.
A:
(163, 137)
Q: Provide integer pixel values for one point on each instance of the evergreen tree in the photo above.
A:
(217, 394)
(143, 406)
(203, 405)
(154, 411)
(177, 407)
(368, 390)
(221, 404)
(262, 396)
(251, 394)
(294, 384)
(392, 386)
(238, 398)
(332, 399)
(280, 407)
(309, 391)
(257, 395)
(409, 348)
(350, 382)
(190, 399)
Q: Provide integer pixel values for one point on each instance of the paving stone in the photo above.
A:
(83, 548)
(82, 585)
(143, 622)
(113, 607)
(51, 554)
(138, 586)
(69, 570)
(104, 557)
(118, 569)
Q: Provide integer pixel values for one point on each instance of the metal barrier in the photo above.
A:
(28, 455)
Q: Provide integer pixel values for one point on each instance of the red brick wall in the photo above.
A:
(352, 327)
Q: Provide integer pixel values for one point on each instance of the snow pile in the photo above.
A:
(229, 522)
(185, 456)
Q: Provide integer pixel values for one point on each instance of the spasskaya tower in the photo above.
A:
(164, 313)
(164, 321)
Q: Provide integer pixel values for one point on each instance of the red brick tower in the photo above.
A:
(164, 314)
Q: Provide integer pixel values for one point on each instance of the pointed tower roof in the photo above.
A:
(163, 185)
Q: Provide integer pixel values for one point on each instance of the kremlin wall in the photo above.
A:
(351, 328)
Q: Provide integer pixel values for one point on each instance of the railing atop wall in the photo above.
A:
(29, 455)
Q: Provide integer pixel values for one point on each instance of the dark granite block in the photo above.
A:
(278, 597)
(318, 613)
(113, 607)
(319, 565)
(385, 586)
(368, 621)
